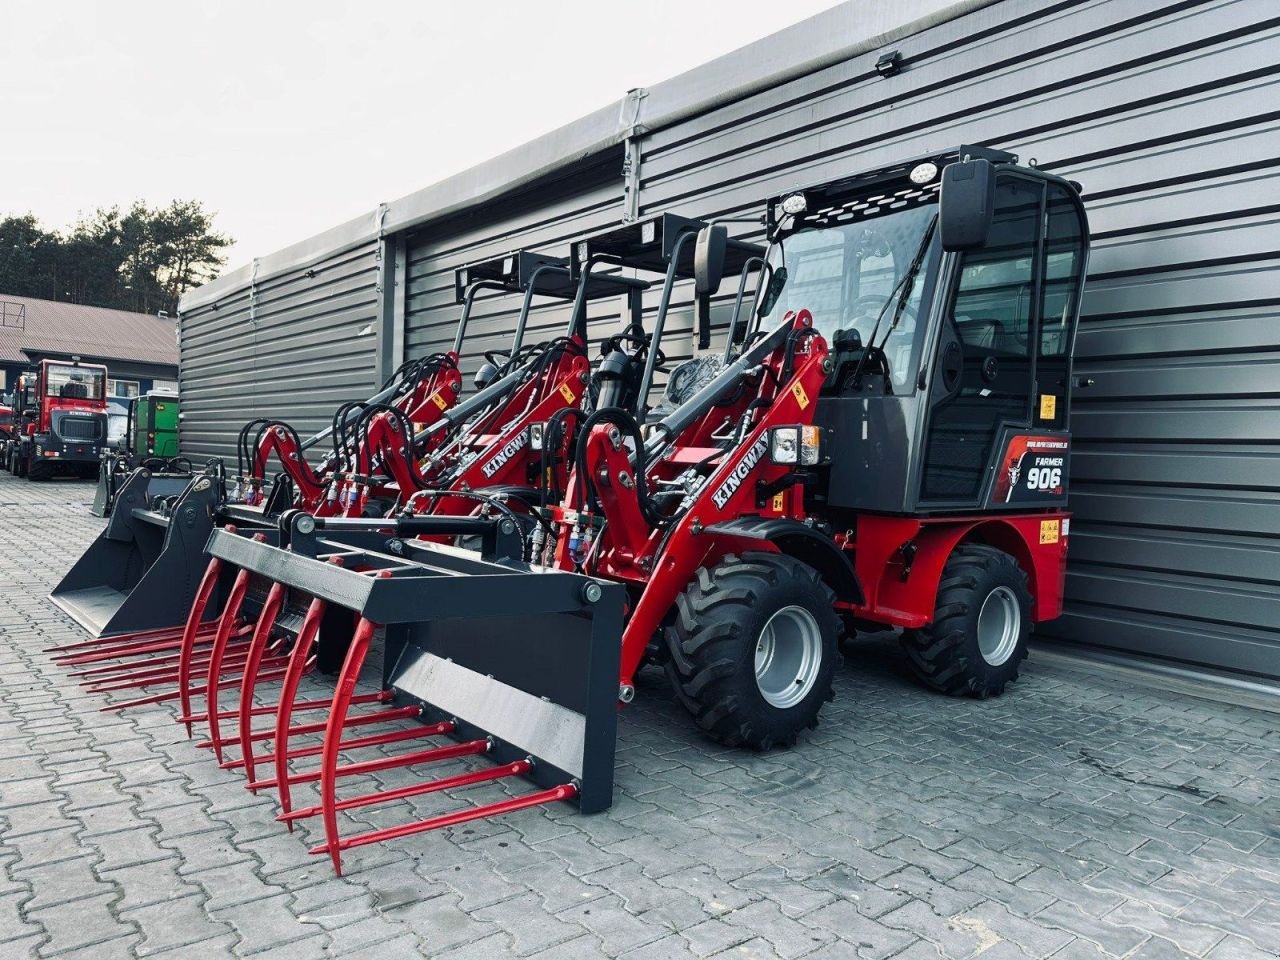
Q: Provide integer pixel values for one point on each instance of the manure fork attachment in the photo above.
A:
(498, 658)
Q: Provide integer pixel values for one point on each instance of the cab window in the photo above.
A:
(1063, 265)
(992, 315)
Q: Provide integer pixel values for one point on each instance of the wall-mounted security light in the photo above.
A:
(889, 64)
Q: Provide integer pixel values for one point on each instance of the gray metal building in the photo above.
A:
(1165, 111)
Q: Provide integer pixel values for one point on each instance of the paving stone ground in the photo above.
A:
(1075, 817)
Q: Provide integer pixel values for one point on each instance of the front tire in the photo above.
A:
(753, 648)
(978, 638)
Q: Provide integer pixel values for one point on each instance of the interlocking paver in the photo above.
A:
(87, 923)
(1078, 816)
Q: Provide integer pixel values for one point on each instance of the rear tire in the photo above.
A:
(19, 465)
(40, 471)
(978, 638)
(753, 648)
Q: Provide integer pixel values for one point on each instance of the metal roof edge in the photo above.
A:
(804, 47)
(334, 240)
(509, 171)
(827, 38)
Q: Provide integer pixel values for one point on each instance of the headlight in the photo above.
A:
(535, 435)
(783, 444)
(798, 445)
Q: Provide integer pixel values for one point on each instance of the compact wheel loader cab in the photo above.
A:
(949, 289)
(882, 442)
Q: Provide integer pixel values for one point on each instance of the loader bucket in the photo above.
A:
(503, 661)
(112, 476)
(142, 571)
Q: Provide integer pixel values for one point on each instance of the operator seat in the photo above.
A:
(685, 381)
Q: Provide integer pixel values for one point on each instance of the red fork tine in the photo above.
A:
(170, 659)
(360, 720)
(449, 751)
(171, 695)
(288, 693)
(232, 610)
(518, 768)
(137, 648)
(380, 697)
(564, 791)
(346, 686)
(257, 647)
(140, 636)
(253, 659)
(154, 677)
(203, 592)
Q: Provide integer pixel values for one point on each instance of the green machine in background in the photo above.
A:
(150, 442)
(153, 425)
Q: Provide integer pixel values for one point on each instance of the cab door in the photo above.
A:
(984, 371)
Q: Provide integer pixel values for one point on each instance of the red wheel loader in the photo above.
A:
(494, 455)
(138, 579)
(60, 420)
(889, 449)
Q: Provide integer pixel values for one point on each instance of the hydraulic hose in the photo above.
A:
(551, 438)
(623, 421)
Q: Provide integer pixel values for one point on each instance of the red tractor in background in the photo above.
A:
(6, 434)
(59, 420)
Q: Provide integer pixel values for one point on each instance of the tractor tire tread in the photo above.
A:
(712, 616)
(938, 653)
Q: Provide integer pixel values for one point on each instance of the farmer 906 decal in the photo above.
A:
(1033, 469)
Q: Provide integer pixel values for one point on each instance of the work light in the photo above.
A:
(923, 173)
(798, 445)
(795, 204)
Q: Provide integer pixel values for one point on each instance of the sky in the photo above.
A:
(287, 118)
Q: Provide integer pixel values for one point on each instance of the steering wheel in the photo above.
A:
(641, 340)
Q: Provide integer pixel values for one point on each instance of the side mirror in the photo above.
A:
(708, 259)
(966, 204)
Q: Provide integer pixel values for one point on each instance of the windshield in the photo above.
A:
(76, 383)
(845, 274)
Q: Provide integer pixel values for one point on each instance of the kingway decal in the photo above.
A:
(509, 450)
(740, 473)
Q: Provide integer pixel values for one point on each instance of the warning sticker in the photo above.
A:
(779, 502)
(802, 398)
(1048, 406)
(566, 391)
(439, 401)
(1049, 530)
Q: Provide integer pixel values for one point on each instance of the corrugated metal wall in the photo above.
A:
(1165, 111)
(294, 356)
(544, 220)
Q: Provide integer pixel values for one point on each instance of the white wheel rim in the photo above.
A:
(999, 626)
(788, 657)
